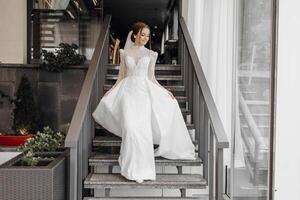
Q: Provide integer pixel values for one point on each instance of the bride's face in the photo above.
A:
(142, 37)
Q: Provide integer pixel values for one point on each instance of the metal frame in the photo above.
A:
(273, 70)
(29, 30)
(273, 95)
(81, 132)
(210, 132)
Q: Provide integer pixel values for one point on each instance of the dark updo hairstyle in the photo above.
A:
(138, 26)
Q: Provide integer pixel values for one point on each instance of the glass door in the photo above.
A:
(253, 100)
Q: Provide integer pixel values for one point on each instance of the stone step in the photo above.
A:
(158, 77)
(143, 198)
(163, 181)
(257, 102)
(44, 41)
(99, 127)
(50, 22)
(172, 88)
(257, 115)
(111, 141)
(47, 29)
(100, 159)
(159, 67)
(48, 35)
(254, 74)
(181, 98)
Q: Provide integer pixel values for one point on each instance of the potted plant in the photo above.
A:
(24, 116)
(39, 171)
(63, 56)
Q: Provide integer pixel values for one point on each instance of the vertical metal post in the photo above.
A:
(204, 139)
(219, 174)
(36, 34)
(183, 192)
(79, 167)
(29, 29)
(110, 169)
(211, 165)
(190, 84)
(73, 173)
(196, 112)
(179, 169)
(107, 192)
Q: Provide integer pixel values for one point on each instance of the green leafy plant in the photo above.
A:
(25, 109)
(46, 141)
(63, 56)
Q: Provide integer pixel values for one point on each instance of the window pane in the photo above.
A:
(252, 127)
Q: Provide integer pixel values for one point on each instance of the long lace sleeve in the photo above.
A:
(151, 69)
(123, 69)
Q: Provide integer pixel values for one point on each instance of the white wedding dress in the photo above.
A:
(143, 113)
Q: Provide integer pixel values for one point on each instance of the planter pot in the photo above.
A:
(47, 182)
(14, 140)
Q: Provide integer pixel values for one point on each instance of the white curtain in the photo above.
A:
(211, 24)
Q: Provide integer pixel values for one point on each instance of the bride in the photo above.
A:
(142, 112)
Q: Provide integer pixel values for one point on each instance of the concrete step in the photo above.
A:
(172, 88)
(46, 41)
(100, 159)
(257, 115)
(145, 198)
(257, 102)
(111, 141)
(159, 67)
(50, 22)
(163, 181)
(158, 77)
(253, 74)
(48, 35)
(100, 128)
(47, 29)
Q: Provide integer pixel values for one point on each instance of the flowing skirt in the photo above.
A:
(143, 114)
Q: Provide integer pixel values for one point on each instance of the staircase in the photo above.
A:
(254, 115)
(93, 170)
(57, 26)
(106, 147)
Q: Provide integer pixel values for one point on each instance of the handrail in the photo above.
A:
(251, 122)
(81, 131)
(85, 94)
(211, 106)
(209, 129)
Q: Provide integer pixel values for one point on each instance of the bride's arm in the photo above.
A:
(122, 71)
(151, 72)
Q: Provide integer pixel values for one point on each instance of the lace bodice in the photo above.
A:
(137, 61)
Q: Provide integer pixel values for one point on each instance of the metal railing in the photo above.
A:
(254, 143)
(81, 131)
(210, 132)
